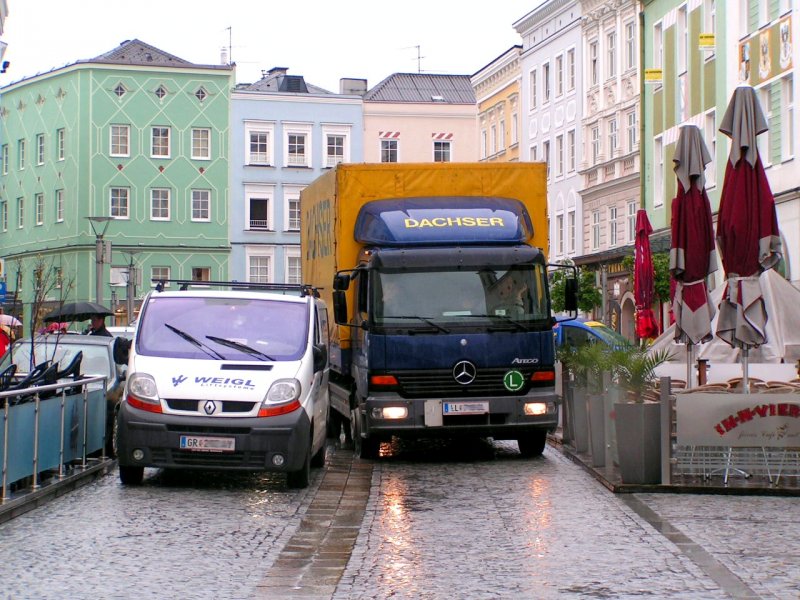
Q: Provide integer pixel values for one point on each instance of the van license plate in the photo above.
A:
(465, 408)
(208, 444)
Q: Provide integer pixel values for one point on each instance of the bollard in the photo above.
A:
(702, 371)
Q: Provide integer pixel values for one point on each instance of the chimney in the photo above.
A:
(275, 71)
(223, 56)
(350, 86)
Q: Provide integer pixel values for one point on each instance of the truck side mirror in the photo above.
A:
(339, 307)
(320, 357)
(341, 282)
(571, 294)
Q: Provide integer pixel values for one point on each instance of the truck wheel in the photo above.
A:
(533, 444)
(362, 447)
(299, 479)
(131, 475)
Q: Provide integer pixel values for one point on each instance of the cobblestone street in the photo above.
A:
(428, 520)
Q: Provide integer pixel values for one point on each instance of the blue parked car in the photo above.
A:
(576, 332)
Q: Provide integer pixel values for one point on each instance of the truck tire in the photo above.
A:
(367, 448)
(131, 475)
(299, 479)
(533, 444)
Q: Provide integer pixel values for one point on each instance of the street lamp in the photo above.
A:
(131, 287)
(99, 255)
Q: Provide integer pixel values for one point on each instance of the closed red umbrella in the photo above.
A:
(643, 278)
(692, 253)
(747, 227)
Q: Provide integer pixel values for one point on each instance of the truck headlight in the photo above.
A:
(283, 390)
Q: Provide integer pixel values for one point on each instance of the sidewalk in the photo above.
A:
(609, 476)
(21, 501)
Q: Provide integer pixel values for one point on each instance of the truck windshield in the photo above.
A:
(516, 296)
(242, 329)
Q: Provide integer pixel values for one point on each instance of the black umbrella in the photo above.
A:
(78, 311)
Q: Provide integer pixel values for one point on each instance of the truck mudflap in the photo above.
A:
(500, 417)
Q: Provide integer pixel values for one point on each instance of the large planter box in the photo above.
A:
(580, 420)
(639, 441)
(597, 429)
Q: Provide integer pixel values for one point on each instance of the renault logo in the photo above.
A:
(210, 407)
(464, 372)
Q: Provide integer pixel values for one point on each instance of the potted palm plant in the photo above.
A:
(590, 362)
(638, 413)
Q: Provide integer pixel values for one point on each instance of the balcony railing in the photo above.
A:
(261, 224)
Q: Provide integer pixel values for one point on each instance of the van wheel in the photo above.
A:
(114, 434)
(533, 444)
(299, 479)
(131, 475)
(362, 447)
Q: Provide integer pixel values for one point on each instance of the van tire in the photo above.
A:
(131, 475)
(367, 448)
(299, 479)
(532, 445)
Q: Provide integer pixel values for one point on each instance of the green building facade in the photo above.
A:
(136, 136)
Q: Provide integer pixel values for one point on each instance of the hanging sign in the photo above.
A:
(707, 41)
(653, 75)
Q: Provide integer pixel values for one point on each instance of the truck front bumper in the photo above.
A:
(506, 417)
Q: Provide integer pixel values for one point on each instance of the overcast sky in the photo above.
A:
(323, 40)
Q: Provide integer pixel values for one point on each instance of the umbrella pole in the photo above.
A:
(689, 360)
(746, 370)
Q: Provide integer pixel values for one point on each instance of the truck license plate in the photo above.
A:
(208, 444)
(465, 408)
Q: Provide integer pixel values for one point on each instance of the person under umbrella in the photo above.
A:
(747, 227)
(97, 326)
(692, 256)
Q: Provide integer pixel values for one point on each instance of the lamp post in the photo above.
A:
(130, 290)
(99, 255)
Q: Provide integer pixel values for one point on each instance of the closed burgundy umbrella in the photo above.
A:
(643, 278)
(747, 228)
(692, 254)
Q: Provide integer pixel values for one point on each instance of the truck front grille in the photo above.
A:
(441, 384)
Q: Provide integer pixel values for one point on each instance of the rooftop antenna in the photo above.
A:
(419, 60)
(230, 45)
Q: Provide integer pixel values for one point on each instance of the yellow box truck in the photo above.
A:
(438, 279)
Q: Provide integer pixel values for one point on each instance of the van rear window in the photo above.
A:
(242, 329)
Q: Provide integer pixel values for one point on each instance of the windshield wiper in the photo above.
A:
(192, 340)
(519, 325)
(423, 319)
(239, 346)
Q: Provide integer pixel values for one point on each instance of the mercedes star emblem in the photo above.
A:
(464, 372)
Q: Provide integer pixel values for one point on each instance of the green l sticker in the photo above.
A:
(513, 380)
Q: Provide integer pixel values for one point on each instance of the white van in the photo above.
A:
(226, 379)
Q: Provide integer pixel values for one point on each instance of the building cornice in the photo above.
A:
(541, 14)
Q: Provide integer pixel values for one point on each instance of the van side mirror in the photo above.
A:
(571, 294)
(320, 357)
(339, 307)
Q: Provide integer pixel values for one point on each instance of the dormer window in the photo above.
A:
(161, 91)
(120, 90)
(201, 94)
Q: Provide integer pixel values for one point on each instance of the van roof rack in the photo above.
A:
(303, 289)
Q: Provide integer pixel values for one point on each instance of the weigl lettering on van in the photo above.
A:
(233, 382)
(454, 222)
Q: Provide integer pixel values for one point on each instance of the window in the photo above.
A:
(534, 153)
(160, 92)
(533, 89)
(388, 151)
(120, 202)
(630, 45)
(595, 144)
(631, 130)
(120, 90)
(293, 269)
(159, 274)
(120, 135)
(613, 230)
(559, 234)
(594, 75)
(683, 39)
(258, 143)
(595, 229)
(259, 269)
(559, 75)
(709, 21)
(201, 144)
(259, 207)
(570, 69)
(4, 158)
(632, 208)
(201, 274)
(21, 154)
(296, 149)
(546, 83)
(546, 156)
(559, 155)
(201, 94)
(502, 140)
(59, 206)
(4, 215)
(441, 151)
(38, 208)
(159, 204)
(493, 138)
(20, 213)
(571, 232)
(40, 149)
(658, 46)
(765, 99)
(571, 151)
(201, 205)
(292, 209)
(514, 128)
(787, 118)
(159, 147)
(612, 137)
(611, 54)
(710, 135)
(60, 144)
(484, 144)
(658, 159)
